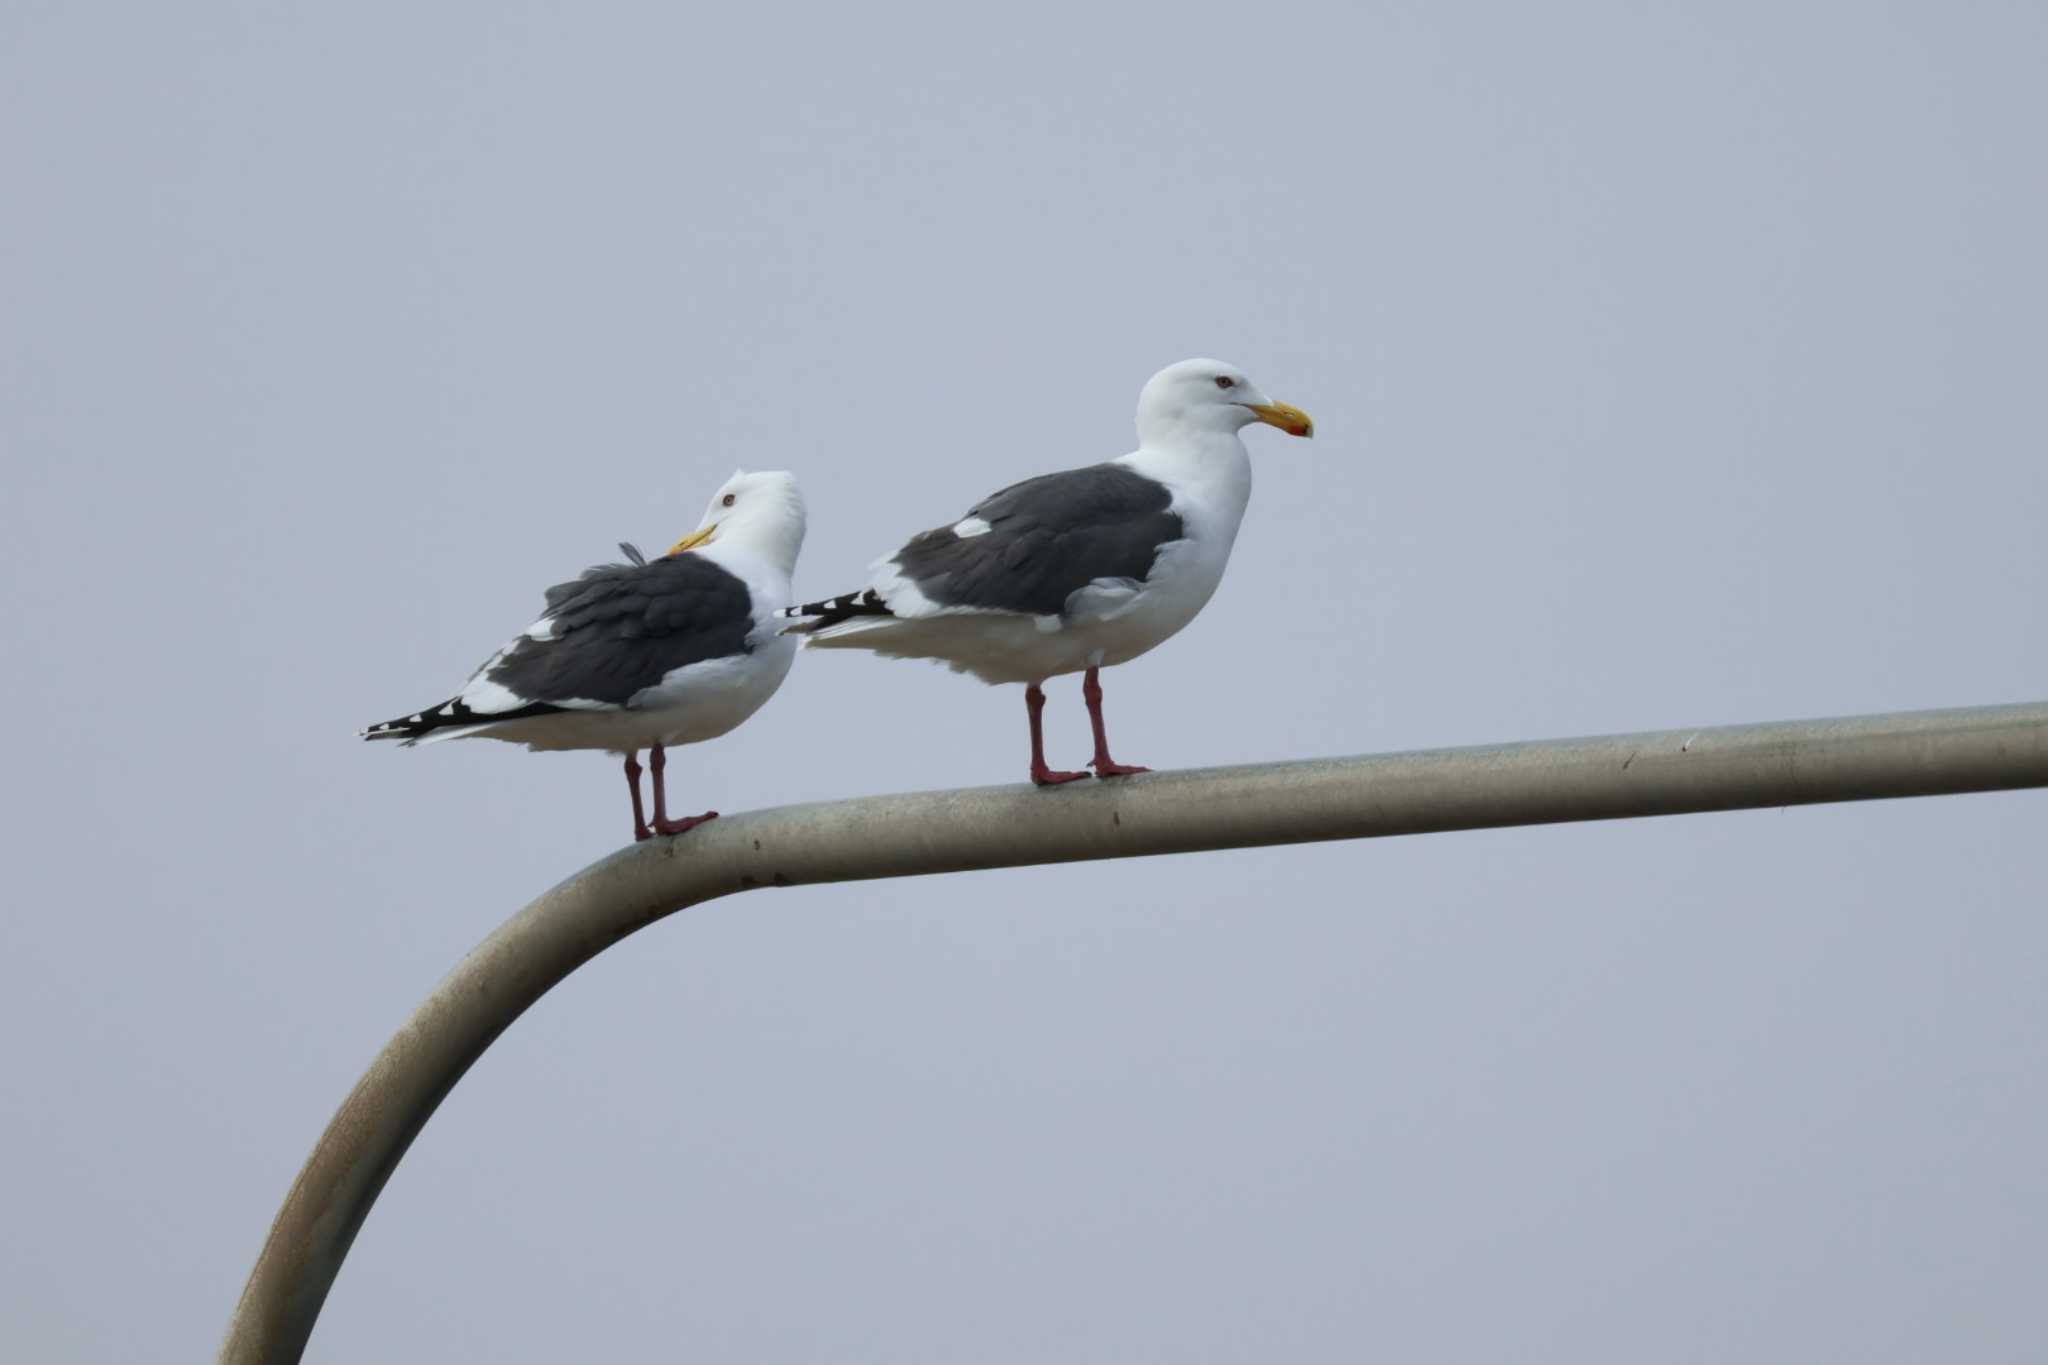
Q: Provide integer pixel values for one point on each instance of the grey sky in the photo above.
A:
(1670, 365)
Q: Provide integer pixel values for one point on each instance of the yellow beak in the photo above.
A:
(1285, 416)
(693, 540)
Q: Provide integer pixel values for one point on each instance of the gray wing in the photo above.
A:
(622, 627)
(606, 635)
(1048, 538)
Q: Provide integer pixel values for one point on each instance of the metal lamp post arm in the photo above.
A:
(1671, 772)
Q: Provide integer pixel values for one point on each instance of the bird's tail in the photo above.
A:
(410, 730)
(452, 719)
(820, 618)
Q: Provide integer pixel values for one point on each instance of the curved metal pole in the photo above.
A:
(1923, 753)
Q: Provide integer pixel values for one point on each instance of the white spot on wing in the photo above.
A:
(970, 526)
(489, 698)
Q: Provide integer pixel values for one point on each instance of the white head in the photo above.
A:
(1209, 396)
(761, 513)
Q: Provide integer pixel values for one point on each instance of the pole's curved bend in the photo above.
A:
(1672, 772)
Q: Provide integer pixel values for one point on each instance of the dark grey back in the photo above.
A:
(621, 627)
(1047, 537)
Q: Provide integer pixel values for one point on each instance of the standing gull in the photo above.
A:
(645, 655)
(1077, 571)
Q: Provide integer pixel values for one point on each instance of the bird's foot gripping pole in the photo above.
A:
(657, 761)
(1104, 765)
(1034, 706)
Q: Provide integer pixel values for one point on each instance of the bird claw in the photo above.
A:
(684, 825)
(1106, 768)
(1049, 777)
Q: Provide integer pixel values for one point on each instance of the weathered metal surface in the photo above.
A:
(1924, 753)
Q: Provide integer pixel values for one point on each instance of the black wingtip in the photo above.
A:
(831, 611)
(451, 714)
(404, 727)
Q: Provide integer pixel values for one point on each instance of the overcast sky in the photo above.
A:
(1671, 365)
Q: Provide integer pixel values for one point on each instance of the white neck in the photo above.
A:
(768, 540)
(1210, 473)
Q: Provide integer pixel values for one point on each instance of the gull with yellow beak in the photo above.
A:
(645, 655)
(1077, 571)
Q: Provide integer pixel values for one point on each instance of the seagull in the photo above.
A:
(1077, 571)
(647, 654)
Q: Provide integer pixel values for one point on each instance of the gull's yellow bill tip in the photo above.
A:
(1285, 416)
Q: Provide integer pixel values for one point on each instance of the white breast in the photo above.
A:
(1211, 488)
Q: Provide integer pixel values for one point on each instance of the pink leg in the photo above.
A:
(658, 761)
(1105, 766)
(640, 830)
(1034, 703)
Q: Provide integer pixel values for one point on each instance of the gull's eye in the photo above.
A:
(1224, 381)
(727, 500)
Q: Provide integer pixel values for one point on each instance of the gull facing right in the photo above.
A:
(1077, 571)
